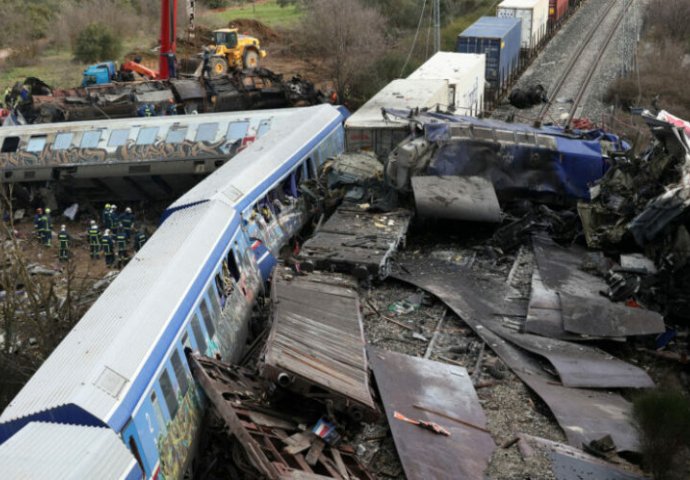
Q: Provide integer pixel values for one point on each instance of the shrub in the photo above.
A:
(97, 43)
(663, 420)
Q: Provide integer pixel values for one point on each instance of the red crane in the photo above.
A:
(166, 62)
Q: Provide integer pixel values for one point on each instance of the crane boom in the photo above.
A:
(166, 62)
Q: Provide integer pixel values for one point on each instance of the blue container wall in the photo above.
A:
(499, 40)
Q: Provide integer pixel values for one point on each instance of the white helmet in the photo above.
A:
(62, 227)
(107, 231)
(113, 207)
(128, 210)
(93, 222)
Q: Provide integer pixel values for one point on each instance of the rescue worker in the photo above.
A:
(63, 238)
(127, 219)
(206, 69)
(114, 217)
(104, 215)
(44, 228)
(94, 240)
(107, 247)
(121, 240)
(139, 238)
(37, 222)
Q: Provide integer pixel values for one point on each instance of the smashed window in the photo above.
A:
(10, 144)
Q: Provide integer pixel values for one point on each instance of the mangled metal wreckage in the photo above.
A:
(481, 159)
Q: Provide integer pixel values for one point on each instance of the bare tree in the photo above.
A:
(346, 35)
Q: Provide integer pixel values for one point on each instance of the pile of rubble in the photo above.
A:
(470, 349)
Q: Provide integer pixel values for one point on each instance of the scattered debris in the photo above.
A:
(528, 97)
(456, 198)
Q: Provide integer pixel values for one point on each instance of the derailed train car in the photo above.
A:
(520, 161)
(122, 368)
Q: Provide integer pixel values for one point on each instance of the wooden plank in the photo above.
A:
(315, 451)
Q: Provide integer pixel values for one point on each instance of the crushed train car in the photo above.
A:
(519, 160)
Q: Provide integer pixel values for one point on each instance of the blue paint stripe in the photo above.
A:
(258, 191)
(138, 388)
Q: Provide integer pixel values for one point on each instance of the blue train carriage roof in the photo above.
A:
(491, 27)
(51, 451)
(100, 370)
(254, 170)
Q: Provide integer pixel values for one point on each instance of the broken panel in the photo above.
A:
(356, 241)
(316, 343)
(437, 393)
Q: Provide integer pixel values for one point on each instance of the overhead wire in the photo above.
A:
(414, 41)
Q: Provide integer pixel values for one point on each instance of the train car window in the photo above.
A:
(220, 288)
(180, 373)
(36, 143)
(62, 141)
(215, 305)
(208, 321)
(505, 136)
(176, 135)
(10, 145)
(157, 410)
(185, 340)
(147, 136)
(90, 139)
(206, 132)
(199, 334)
(233, 266)
(134, 448)
(311, 168)
(237, 130)
(168, 393)
(264, 127)
(118, 137)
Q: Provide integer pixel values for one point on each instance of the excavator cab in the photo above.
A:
(232, 50)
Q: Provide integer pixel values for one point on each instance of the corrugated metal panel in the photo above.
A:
(50, 451)
(95, 364)
(242, 175)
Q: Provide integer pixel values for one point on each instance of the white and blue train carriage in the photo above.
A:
(122, 368)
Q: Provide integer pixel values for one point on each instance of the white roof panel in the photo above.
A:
(242, 174)
(449, 65)
(403, 94)
(519, 3)
(95, 364)
(51, 451)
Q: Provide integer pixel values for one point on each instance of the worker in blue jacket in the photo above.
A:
(63, 246)
(139, 238)
(107, 247)
(37, 222)
(121, 241)
(127, 219)
(105, 215)
(94, 240)
(44, 228)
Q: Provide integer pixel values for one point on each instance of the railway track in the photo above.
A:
(575, 79)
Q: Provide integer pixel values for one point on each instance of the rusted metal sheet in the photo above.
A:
(583, 310)
(267, 438)
(600, 317)
(456, 198)
(433, 392)
(356, 241)
(317, 340)
(544, 312)
(570, 463)
(583, 414)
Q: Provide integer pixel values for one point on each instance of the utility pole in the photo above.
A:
(437, 25)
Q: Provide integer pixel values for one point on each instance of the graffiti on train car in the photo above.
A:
(175, 443)
(125, 153)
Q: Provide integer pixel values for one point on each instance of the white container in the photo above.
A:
(465, 75)
(367, 129)
(534, 15)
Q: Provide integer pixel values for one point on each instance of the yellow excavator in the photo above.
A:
(234, 50)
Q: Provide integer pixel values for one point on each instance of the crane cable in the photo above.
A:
(414, 42)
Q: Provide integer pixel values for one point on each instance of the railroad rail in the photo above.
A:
(579, 59)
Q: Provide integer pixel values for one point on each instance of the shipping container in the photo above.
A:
(499, 40)
(557, 10)
(535, 19)
(367, 129)
(465, 75)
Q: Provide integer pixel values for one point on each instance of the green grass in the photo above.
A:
(269, 13)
